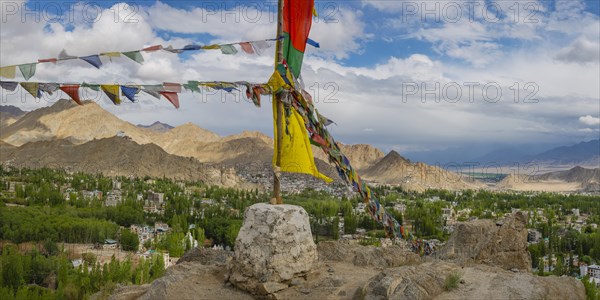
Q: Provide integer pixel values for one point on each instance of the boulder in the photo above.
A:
(502, 244)
(274, 246)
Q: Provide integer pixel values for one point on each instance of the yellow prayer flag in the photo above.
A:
(112, 91)
(296, 154)
(111, 54)
(8, 71)
(276, 82)
(211, 47)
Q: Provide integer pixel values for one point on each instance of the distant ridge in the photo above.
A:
(157, 126)
(587, 153)
(12, 110)
(115, 156)
(574, 179)
(396, 170)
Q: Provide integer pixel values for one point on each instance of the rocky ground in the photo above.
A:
(487, 260)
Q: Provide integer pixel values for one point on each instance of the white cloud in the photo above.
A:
(581, 50)
(339, 34)
(589, 120)
(368, 102)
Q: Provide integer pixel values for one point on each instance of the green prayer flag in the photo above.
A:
(28, 70)
(95, 87)
(192, 86)
(228, 49)
(135, 56)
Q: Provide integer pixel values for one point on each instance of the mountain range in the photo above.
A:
(585, 153)
(157, 126)
(88, 138)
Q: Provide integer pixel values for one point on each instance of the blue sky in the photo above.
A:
(543, 56)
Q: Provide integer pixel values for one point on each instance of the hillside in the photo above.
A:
(575, 179)
(115, 156)
(67, 120)
(584, 153)
(397, 170)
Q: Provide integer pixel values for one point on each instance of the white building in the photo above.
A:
(113, 198)
(593, 271)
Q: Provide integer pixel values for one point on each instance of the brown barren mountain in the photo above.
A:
(575, 179)
(82, 125)
(394, 169)
(115, 156)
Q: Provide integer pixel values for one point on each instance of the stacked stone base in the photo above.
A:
(274, 248)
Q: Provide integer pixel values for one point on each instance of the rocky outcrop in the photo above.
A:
(275, 258)
(428, 281)
(187, 280)
(207, 256)
(274, 246)
(367, 256)
(502, 244)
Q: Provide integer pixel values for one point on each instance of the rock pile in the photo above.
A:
(502, 243)
(274, 246)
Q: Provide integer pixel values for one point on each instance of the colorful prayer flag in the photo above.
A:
(152, 90)
(49, 88)
(111, 54)
(28, 70)
(47, 60)
(211, 47)
(313, 43)
(73, 91)
(112, 91)
(93, 60)
(135, 56)
(260, 46)
(228, 49)
(172, 87)
(130, 92)
(192, 86)
(192, 47)
(170, 49)
(32, 88)
(9, 85)
(172, 97)
(64, 56)
(297, 20)
(296, 153)
(95, 87)
(247, 47)
(8, 72)
(153, 48)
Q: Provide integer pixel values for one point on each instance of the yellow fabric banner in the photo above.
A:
(8, 72)
(296, 154)
(111, 54)
(112, 91)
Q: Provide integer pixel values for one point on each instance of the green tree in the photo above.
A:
(129, 240)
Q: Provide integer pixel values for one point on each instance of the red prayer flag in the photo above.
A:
(52, 60)
(152, 48)
(297, 20)
(172, 97)
(172, 87)
(73, 92)
(247, 47)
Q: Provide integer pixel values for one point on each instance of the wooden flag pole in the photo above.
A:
(279, 116)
